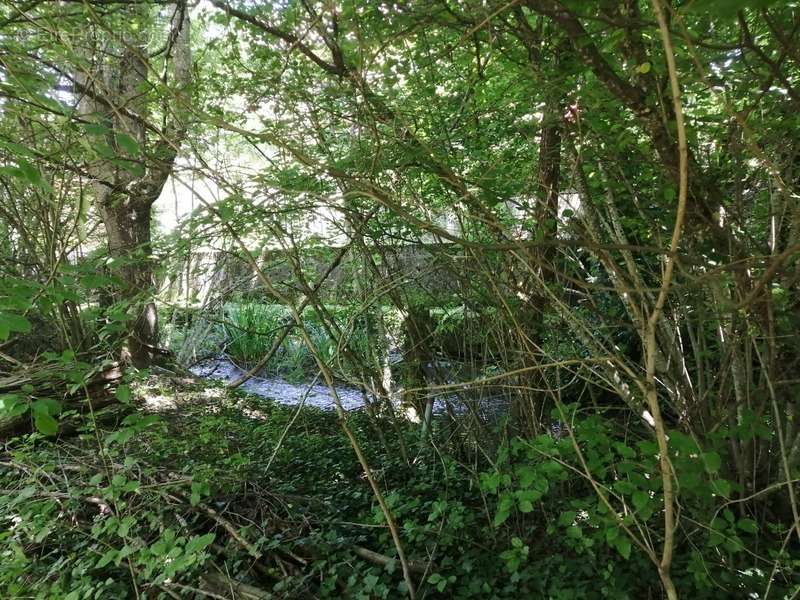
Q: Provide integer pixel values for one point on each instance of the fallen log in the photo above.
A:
(48, 381)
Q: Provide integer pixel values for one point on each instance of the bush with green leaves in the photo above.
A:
(92, 523)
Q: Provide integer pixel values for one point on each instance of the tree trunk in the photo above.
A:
(127, 223)
(548, 182)
(527, 409)
(125, 198)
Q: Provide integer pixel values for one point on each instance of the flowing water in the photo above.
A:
(279, 389)
(320, 396)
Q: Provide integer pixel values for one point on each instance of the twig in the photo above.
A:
(383, 560)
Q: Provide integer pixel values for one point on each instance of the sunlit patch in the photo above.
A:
(255, 414)
(160, 402)
(412, 415)
(212, 393)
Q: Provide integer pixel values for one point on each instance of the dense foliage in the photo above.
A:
(552, 245)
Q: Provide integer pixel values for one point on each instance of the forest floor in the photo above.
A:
(198, 491)
(205, 488)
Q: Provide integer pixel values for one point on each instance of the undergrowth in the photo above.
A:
(246, 331)
(206, 496)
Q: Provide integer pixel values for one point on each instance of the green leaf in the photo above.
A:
(106, 559)
(125, 526)
(132, 167)
(15, 172)
(10, 322)
(490, 481)
(45, 423)
(53, 104)
(640, 500)
(734, 544)
(94, 128)
(12, 404)
(32, 174)
(567, 518)
(131, 486)
(624, 487)
(199, 489)
(48, 406)
(18, 149)
(527, 475)
(722, 487)
(623, 546)
(127, 143)
(123, 393)
(712, 461)
(369, 582)
(624, 451)
(648, 448)
(199, 543)
(105, 151)
(503, 510)
(225, 212)
(501, 517)
(612, 533)
(727, 514)
(95, 281)
(748, 525)
(526, 498)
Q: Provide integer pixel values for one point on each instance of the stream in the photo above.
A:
(319, 395)
(279, 389)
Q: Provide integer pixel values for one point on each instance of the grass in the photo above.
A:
(251, 329)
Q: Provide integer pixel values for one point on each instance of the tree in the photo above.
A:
(127, 84)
